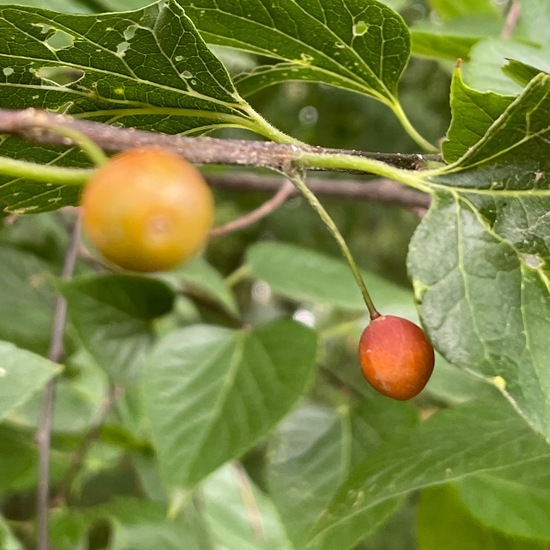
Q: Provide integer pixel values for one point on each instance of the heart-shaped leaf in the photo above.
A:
(112, 315)
(212, 392)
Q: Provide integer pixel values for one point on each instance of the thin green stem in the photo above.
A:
(251, 120)
(40, 172)
(299, 183)
(410, 129)
(263, 127)
(411, 178)
(237, 276)
(55, 174)
(95, 153)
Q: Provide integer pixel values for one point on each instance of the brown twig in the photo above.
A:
(379, 190)
(253, 216)
(33, 124)
(43, 434)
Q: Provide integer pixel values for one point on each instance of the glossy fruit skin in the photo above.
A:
(147, 210)
(395, 356)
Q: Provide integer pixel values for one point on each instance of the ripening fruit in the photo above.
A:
(396, 357)
(147, 210)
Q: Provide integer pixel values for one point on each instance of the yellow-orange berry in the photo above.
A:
(147, 210)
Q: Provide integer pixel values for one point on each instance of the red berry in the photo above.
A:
(396, 357)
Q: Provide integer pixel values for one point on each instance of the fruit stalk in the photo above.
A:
(296, 178)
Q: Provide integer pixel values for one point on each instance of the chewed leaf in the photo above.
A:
(146, 69)
(486, 304)
(492, 136)
(135, 67)
(359, 46)
(484, 285)
(473, 115)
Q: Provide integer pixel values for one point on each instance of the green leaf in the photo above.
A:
(515, 137)
(123, 5)
(483, 287)
(18, 459)
(358, 46)
(304, 275)
(451, 445)
(499, 296)
(451, 385)
(146, 69)
(515, 503)
(520, 72)
(7, 539)
(43, 236)
(529, 44)
(437, 43)
(313, 452)
(261, 77)
(453, 38)
(79, 398)
(490, 262)
(240, 516)
(212, 393)
(533, 24)
(22, 374)
(443, 522)
(454, 9)
(488, 57)
(68, 529)
(27, 300)
(113, 316)
(199, 278)
(142, 525)
(76, 6)
(474, 114)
